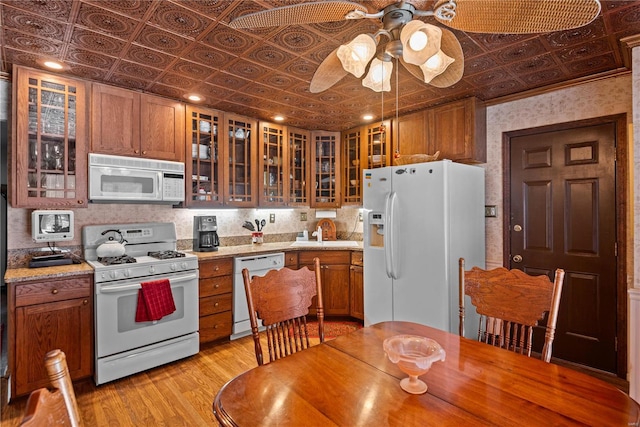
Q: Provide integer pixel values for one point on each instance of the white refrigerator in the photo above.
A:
(419, 219)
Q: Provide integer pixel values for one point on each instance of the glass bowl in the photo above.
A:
(414, 355)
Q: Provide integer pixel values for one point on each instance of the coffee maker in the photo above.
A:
(205, 236)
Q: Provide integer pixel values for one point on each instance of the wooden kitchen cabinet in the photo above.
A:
(334, 276)
(240, 177)
(325, 169)
(49, 141)
(377, 146)
(46, 315)
(216, 299)
(291, 260)
(351, 171)
(356, 286)
(410, 134)
(299, 170)
(458, 131)
(204, 149)
(128, 123)
(273, 161)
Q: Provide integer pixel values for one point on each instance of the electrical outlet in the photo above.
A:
(360, 216)
(303, 216)
(490, 211)
(272, 218)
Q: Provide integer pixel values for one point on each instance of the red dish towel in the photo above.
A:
(155, 300)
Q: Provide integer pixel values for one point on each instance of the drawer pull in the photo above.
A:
(216, 268)
(216, 286)
(54, 291)
(215, 327)
(216, 304)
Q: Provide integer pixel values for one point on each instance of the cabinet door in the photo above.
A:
(273, 160)
(298, 167)
(458, 131)
(203, 150)
(351, 172)
(240, 176)
(40, 328)
(325, 166)
(377, 147)
(356, 290)
(335, 289)
(161, 128)
(115, 120)
(49, 144)
(410, 134)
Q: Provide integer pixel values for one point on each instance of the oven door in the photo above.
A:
(116, 328)
(108, 184)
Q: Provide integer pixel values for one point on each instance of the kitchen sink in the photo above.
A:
(325, 244)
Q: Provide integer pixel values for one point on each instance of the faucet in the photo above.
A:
(318, 234)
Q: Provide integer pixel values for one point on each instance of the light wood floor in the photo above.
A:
(177, 394)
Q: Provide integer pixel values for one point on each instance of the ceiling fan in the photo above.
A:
(429, 52)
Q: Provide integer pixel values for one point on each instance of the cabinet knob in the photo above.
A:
(81, 202)
(136, 152)
(144, 152)
(85, 302)
(216, 304)
(54, 291)
(215, 327)
(216, 286)
(216, 268)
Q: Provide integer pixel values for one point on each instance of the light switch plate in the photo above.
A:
(490, 211)
(303, 216)
(272, 218)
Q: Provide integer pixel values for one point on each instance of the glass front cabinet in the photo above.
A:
(273, 164)
(240, 180)
(377, 149)
(298, 167)
(325, 169)
(49, 159)
(203, 169)
(351, 172)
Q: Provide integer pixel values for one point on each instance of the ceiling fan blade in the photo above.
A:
(328, 73)
(450, 45)
(521, 16)
(302, 13)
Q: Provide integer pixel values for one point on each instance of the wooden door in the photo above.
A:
(563, 215)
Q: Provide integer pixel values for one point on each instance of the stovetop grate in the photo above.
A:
(166, 254)
(114, 260)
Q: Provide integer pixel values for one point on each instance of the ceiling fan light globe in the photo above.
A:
(356, 54)
(379, 77)
(436, 65)
(420, 41)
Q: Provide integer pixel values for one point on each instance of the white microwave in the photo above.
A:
(119, 179)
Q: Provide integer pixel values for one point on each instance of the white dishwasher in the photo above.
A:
(258, 265)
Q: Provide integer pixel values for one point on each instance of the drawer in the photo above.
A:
(216, 267)
(356, 258)
(326, 257)
(215, 286)
(52, 290)
(215, 304)
(215, 326)
(291, 259)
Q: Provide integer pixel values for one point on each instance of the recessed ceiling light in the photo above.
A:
(53, 65)
(278, 118)
(194, 98)
(367, 117)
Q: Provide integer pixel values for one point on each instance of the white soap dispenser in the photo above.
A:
(319, 232)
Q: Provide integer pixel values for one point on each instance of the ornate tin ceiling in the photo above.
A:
(178, 47)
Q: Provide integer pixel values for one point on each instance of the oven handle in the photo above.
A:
(131, 286)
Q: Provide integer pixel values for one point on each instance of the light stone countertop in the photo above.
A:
(17, 275)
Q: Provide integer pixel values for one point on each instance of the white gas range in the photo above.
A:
(124, 346)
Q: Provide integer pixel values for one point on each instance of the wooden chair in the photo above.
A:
(281, 299)
(58, 407)
(510, 303)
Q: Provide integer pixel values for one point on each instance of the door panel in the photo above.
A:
(563, 215)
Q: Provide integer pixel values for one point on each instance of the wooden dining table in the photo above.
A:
(349, 381)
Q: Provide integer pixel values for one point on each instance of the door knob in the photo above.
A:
(517, 227)
(517, 258)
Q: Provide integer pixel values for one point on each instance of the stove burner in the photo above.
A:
(113, 260)
(165, 254)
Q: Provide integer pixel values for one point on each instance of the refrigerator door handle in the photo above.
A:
(389, 236)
